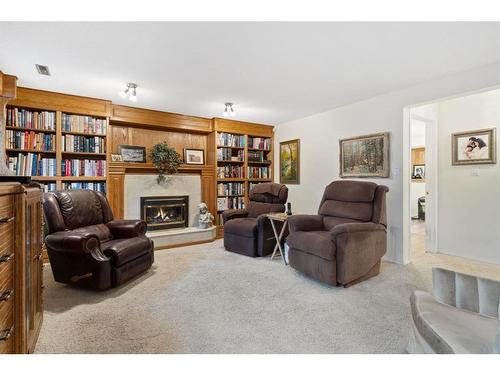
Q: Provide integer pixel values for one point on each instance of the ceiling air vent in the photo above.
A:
(43, 70)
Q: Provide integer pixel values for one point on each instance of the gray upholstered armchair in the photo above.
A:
(344, 242)
(461, 315)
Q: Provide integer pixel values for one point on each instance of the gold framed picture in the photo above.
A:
(290, 162)
(365, 156)
(474, 147)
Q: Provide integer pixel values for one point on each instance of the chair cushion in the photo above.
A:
(79, 208)
(318, 243)
(246, 227)
(122, 251)
(350, 191)
(448, 329)
(362, 211)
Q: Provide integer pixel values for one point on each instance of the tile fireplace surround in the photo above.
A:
(138, 185)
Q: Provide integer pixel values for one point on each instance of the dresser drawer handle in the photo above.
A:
(6, 295)
(6, 257)
(6, 219)
(5, 334)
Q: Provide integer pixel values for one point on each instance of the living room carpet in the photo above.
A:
(203, 299)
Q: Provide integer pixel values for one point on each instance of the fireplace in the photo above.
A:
(165, 212)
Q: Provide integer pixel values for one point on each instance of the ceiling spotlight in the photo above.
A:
(130, 92)
(228, 110)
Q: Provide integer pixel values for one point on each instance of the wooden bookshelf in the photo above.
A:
(247, 131)
(59, 104)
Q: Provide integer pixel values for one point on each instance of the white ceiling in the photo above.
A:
(273, 72)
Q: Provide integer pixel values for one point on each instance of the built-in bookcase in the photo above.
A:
(242, 159)
(58, 149)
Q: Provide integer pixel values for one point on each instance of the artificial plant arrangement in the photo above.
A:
(165, 159)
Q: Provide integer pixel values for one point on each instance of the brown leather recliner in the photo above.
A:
(248, 231)
(344, 243)
(87, 247)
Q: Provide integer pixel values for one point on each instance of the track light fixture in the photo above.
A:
(130, 92)
(228, 110)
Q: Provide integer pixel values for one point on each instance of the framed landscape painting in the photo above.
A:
(290, 162)
(474, 147)
(365, 156)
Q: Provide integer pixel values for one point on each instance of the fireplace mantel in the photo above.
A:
(118, 170)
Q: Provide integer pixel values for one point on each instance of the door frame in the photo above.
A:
(431, 186)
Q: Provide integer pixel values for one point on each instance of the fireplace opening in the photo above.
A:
(165, 212)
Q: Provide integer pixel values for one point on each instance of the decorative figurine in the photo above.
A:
(206, 218)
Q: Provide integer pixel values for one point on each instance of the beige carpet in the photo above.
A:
(202, 299)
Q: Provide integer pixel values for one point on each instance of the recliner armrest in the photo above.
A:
(356, 227)
(234, 214)
(305, 223)
(127, 228)
(72, 242)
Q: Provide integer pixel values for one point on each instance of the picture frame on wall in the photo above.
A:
(474, 147)
(194, 156)
(132, 154)
(365, 156)
(116, 157)
(290, 162)
(418, 172)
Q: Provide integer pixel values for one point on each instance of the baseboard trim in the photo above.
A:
(184, 244)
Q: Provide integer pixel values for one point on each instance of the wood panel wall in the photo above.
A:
(139, 136)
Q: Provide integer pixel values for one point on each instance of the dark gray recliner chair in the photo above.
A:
(248, 231)
(344, 242)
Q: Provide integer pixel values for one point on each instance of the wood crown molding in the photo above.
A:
(132, 116)
(53, 101)
(242, 127)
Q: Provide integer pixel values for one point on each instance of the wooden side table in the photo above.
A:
(282, 217)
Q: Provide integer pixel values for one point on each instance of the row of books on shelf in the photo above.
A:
(258, 172)
(230, 171)
(260, 143)
(32, 165)
(230, 188)
(24, 118)
(78, 143)
(83, 124)
(256, 156)
(49, 186)
(30, 140)
(88, 168)
(230, 140)
(228, 203)
(227, 154)
(97, 186)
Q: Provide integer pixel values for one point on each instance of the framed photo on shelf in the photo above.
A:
(194, 156)
(132, 154)
(474, 147)
(418, 172)
(365, 156)
(290, 162)
(116, 157)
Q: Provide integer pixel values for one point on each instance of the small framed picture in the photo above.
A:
(290, 162)
(132, 154)
(474, 147)
(116, 157)
(194, 156)
(418, 172)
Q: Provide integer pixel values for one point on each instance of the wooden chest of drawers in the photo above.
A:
(21, 302)
(10, 195)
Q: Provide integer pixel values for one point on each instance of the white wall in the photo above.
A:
(468, 205)
(319, 135)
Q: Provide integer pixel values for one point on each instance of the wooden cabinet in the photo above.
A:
(10, 295)
(21, 278)
(33, 281)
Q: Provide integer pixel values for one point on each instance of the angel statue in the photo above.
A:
(206, 218)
